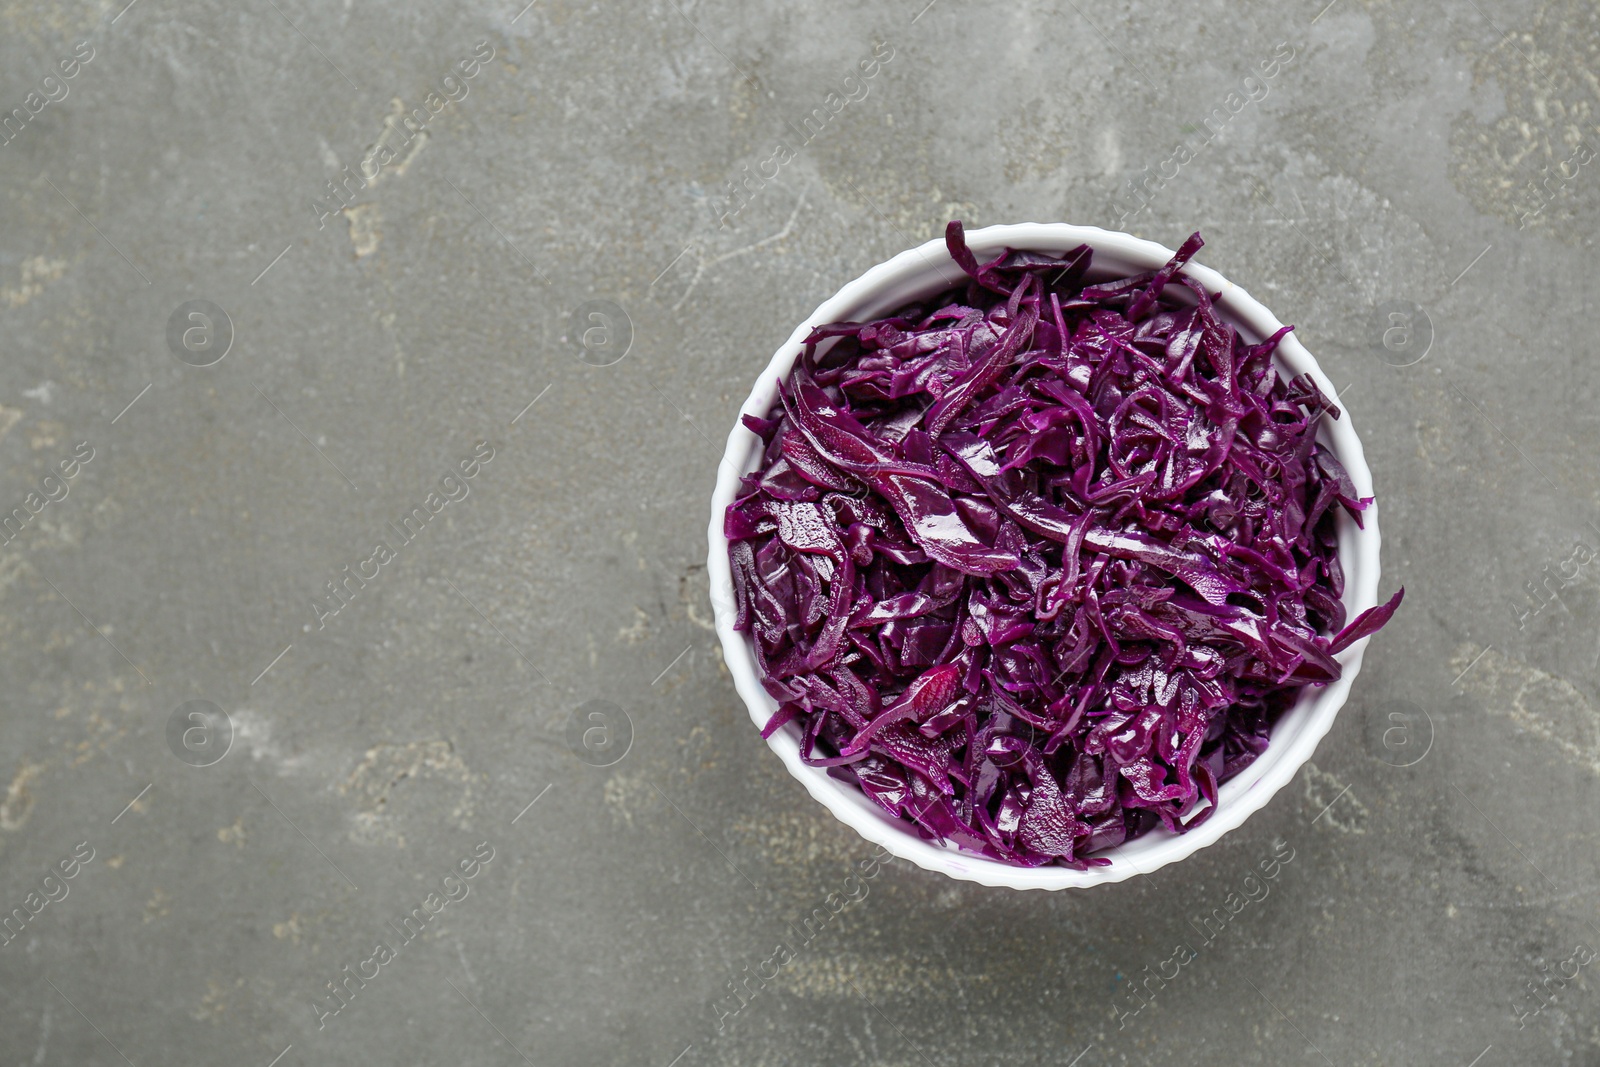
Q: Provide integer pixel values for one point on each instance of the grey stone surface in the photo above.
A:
(1395, 159)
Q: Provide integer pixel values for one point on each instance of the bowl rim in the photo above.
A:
(873, 294)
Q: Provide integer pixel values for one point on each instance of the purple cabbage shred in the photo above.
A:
(1037, 564)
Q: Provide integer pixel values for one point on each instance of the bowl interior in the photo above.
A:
(922, 272)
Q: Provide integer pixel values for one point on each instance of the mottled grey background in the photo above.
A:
(1409, 155)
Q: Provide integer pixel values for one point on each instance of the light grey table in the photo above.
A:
(1413, 185)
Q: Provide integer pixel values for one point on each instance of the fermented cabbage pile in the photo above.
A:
(1037, 563)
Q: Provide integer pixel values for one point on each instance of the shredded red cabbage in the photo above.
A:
(1038, 564)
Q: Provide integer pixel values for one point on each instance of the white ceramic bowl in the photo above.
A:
(921, 272)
